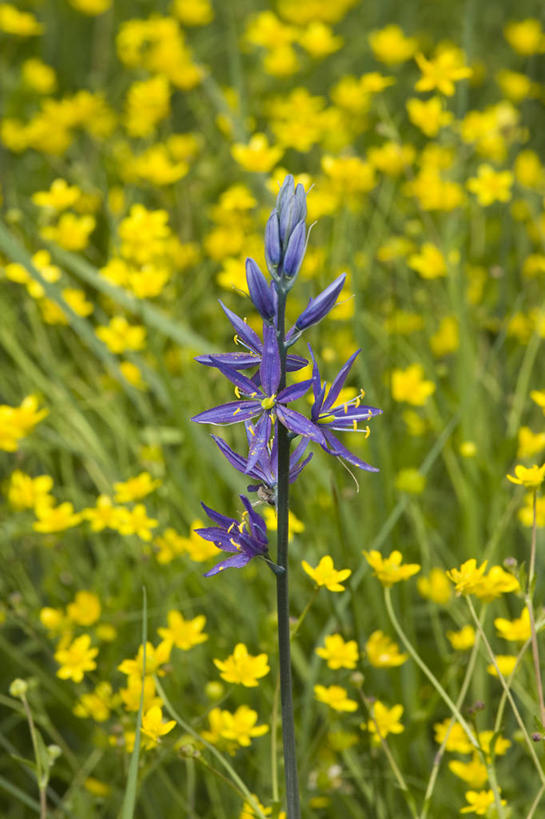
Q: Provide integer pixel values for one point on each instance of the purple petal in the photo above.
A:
(335, 447)
(295, 251)
(297, 423)
(258, 525)
(273, 248)
(295, 362)
(217, 517)
(317, 388)
(295, 391)
(233, 457)
(295, 472)
(320, 306)
(344, 418)
(239, 361)
(270, 363)
(230, 413)
(245, 384)
(237, 561)
(246, 333)
(337, 385)
(260, 439)
(260, 292)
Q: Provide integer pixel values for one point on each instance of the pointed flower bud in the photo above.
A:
(273, 247)
(261, 294)
(319, 307)
(295, 251)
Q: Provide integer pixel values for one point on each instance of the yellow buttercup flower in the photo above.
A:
(468, 577)
(385, 721)
(462, 640)
(409, 385)
(257, 156)
(435, 586)
(135, 488)
(491, 186)
(442, 72)
(184, 633)
(457, 738)
(326, 575)
(390, 570)
(336, 697)
(479, 802)
(526, 37)
(429, 262)
(60, 196)
(55, 518)
(517, 630)
(85, 608)
(383, 652)
(530, 477)
(428, 115)
(473, 773)
(76, 659)
(390, 45)
(71, 232)
(17, 422)
(505, 662)
(243, 668)
(338, 653)
(154, 727)
(25, 492)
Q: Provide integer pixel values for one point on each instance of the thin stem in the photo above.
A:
(508, 694)
(531, 615)
(440, 753)
(536, 802)
(42, 785)
(284, 655)
(390, 757)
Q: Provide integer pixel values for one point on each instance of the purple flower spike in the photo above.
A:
(245, 539)
(265, 470)
(261, 294)
(319, 307)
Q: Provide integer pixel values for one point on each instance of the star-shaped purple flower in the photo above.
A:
(246, 539)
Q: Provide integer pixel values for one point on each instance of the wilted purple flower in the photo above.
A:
(264, 401)
(248, 338)
(320, 306)
(266, 469)
(246, 539)
(326, 416)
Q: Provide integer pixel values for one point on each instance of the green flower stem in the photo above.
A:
(459, 702)
(240, 785)
(508, 694)
(443, 694)
(536, 802)
(390, 757)
(282, 592)
(531, 614)
(41, 775)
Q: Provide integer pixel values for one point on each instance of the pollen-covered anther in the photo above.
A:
(366, 431)
(269, 402)
(355, 425)
(237, 392)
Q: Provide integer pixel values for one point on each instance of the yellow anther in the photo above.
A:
(235, 544)
(345, 409)
(231, 527)
(237, 410)
(251, 430)
(236, 339)
(269, 402)
(237, 392)
(355, 425)
(367, 432)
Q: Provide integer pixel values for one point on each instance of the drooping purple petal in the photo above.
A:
(237, 561)
(297, 423)
(320, 306)
(230, 413)
(236, 460)
(270, 362)
(242, 330)
(334, 447)
(295, 362)
(338, 383)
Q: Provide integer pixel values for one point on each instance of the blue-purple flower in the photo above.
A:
(246, 539)
(344, 417)
(264, 401)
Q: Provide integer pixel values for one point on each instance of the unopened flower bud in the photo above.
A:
(295, 251)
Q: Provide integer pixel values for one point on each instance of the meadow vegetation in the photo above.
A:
(142, 146)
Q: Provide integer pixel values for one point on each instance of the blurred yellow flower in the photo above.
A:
(462, 640)
(25, 492)
(390, 570)
(435, 586)
(154, 727)
(468, 577)
(505, 662)
(257, 156)
(76, 659)
(55, 518)
(17, 422)
(338, 653)
(135, 488)
(85, 608)
(409, 385)
(474, 773)
(243, 668)
(21, 23)
(440, 73)
(326, 575)
(184, 633)
(491, 186)
(429, 115)
(530, 443)
(336, 697)
(529, 476)
(39, 76)
(390, 45)
(119, 336)
(384, 721)
(517, 630)
(411, 481)
(457, 738)
(383, 652)
(91, 7)
(429, 262)
(71, 232)
(526, 37)
(480, 802)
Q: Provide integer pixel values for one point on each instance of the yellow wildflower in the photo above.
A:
(169, 545)
(120, 336)
(338, 653)
(85, 608)
(530, 477)
(530, 443)
(25, 492)
(60, 196)
(441, 72)
(135, 488)
(193, 12)
(429, 262)
(457, 738)
(318, 39)
(489, 739)
(428, 115)
(257, 156)
(154, 727)
(468, 577)
(243, 668)
(392, 158)
(76, 659)
(526, 512)
(295, 526)
(447, 338)
(526, 37)
(135, 521)
(132, 694)
(384, 721)
(336, 697)
(390, 570)
(462, 640)
(390, 45)
(491, 186)
(409, 385)
(326, 575)
(517, 630)
(20, 23)
(495, 583)
(155, 658)
(350, 174)
(147, 103)
(505, 662)
(411, 481)
(55, 518)
(435, 586)
(479, 802)
(71, 232)
(383, 652)
(474, 773)
(18, 422)
(183, 633)
(103, 515)
(96, 704)
(91, 7)
(241, 726)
